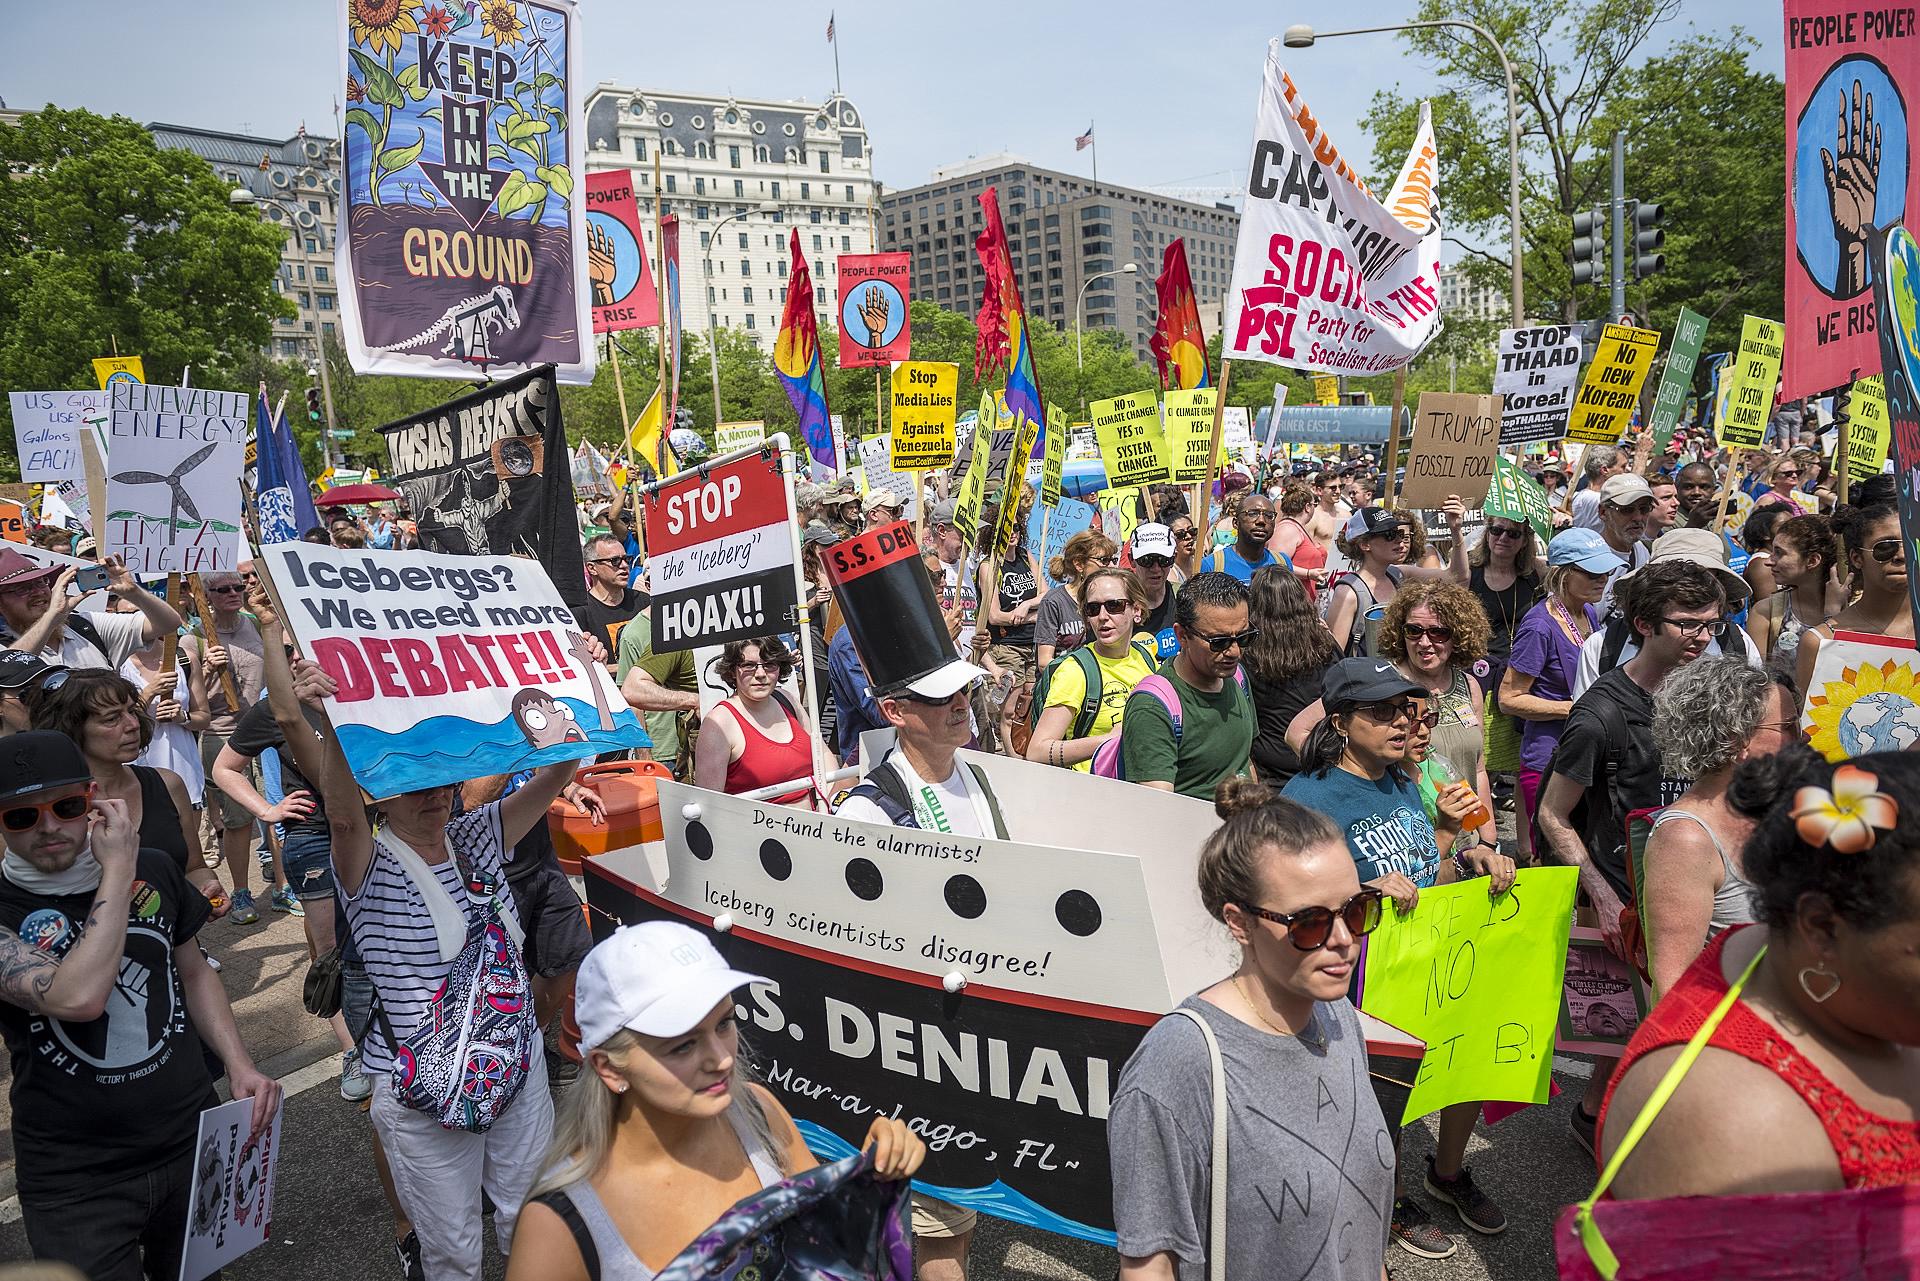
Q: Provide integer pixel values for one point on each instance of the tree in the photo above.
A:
(112, 239)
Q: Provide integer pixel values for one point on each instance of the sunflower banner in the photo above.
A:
(1862, 696)
(462, 241)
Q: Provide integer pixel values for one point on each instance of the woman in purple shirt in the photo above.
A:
(1537, 688)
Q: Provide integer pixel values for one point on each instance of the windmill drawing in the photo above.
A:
(174, 481)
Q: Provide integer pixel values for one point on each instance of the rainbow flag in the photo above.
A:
(1179, 346)
(1002, 343)
(796, 358)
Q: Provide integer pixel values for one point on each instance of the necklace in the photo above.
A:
(1256, 1010)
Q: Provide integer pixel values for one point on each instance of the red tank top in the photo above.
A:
(1873, 1150)
(1307, 554)
(764, 762)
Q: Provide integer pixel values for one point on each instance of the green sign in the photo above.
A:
(1478, 979)
(1689, 332)
(1514, 495)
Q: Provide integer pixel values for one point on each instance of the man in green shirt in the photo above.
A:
(1216, 728)
(658, 686)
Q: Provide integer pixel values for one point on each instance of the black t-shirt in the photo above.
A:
(259, 732)
(1159, 624)
(1593, 736)
(603, 621)
(121, 1095)
(1504, 609)
(1274, 707)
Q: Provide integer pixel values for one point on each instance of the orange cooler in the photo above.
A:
(628, 790)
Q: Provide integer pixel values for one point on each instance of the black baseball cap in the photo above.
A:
(1352, 682)
(19, 670)
(39, 760)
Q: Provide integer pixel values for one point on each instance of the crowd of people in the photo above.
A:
(1363, 693)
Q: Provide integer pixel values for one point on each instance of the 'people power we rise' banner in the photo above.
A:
(1325, 276)
(462, 240)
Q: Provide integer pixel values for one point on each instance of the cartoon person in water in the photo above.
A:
(544, 720)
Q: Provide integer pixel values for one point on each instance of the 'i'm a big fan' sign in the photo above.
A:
(720, 551)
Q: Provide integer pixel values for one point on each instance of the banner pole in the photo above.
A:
(170, 647)
(1393, 435)
(803, 619)
(210, 636)
(1843, 419)
(620, 390)
(660, 256)
(1726, 492)
(1203, 525)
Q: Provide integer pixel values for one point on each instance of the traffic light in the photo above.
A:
(1647, 239)
(1588, 251)
(313, 404)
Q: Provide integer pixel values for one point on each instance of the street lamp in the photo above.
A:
(1079, 306)
(241, 198)
(706, 258)
(1302, 36)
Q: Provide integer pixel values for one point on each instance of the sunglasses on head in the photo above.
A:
(1221, 644)
(1888, 550)
(1311, 927)
(1095, 608)
(24, 818)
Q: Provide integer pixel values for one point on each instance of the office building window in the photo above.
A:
(743, 240)
(639, 148)
(739, 189)
(327, 329)
(823, 162)
(699, 186)
(313, 246)
(813, 216)
(746, 268)
(710, 295)
(668, 148)
(326, 302)
(700, 212)
(806, 191)
(749, 320)
(776, 191)
(746, 296)
(820, 296)
(846, 243)
(733, 157)
(300, 271)
(761, 154)
(816, 244)
(320, 274)
(706, 237)
(782, 266)
(699, 151)
(670, 183)
(845, 218)
(849, 194)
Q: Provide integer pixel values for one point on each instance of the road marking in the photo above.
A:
(1572, 1067)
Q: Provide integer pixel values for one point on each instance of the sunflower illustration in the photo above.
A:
(1874, 707)
(500, 19)
(381, 24)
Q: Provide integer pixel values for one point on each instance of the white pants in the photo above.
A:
(438, 1173)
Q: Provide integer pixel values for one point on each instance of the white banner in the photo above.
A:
(174, 458)
(1325, 276)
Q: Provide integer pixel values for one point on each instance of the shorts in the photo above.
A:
(550, 912)
(1013, 658)
(933, 1217)
(306, 859)
(232, 814)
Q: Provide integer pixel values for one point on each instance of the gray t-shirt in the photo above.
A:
(1309, 1157)
(1059, 622)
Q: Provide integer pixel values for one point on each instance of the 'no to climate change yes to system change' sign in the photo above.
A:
(720, 548)
(449, 667)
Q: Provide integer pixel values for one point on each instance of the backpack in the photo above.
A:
(1355, 645)
(1108, 762)
(1617, 733)
(886, 789)
(1095, 686)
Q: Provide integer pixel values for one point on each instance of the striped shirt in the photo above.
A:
(394, 932)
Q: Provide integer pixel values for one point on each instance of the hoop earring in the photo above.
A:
(1821, 972)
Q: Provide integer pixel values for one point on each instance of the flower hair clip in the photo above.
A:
(1844, 819)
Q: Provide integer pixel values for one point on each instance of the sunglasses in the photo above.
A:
(926, 700)
(1310, 927)
(1416, 631)
(1153, 562)
(226, 589)
(1105, 561)
(612, 560)
(1642, 508)
(1888, 550)
(1095, 608)
(24, 818)
(1504, 531)
(1387, 713)
(1221, 644)
(1184, 534)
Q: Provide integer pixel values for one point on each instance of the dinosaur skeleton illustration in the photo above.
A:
(467, 324)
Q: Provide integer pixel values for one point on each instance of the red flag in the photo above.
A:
(1178, 344)
(1002, 341)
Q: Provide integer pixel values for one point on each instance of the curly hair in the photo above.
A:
(1292, 638)
(772, 650)
(1706, 712)
(86, 693)
(1456, 607)
(1814, 538)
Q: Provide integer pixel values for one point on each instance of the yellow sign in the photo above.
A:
(728, 437)
(926, 395)
(1026, 435)
(1867, 429)
(1611, 387)
(1756, 371)
(1326, 389)
(1132, 445)
(1189, 429)
(118, 369)
(1055, 456)
(973, 485)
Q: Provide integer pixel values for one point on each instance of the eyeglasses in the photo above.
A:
(1311, 927)
(1153, 562)
(225, 588)
(1095, 608)
(1415, 631)
(1692, 628)
(1505, 531)
(1388, 713)
(611, 560)
(1221, 644)
(1888, 550)
(758, 665)
(24, 818)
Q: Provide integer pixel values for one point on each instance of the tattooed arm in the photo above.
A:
(74, 988)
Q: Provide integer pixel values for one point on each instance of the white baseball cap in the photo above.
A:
(1152, 539)
(659, 978)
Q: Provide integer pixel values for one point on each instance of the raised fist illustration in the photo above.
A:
(1853, 179)
(600, 264)
(873, 314)
(128, 1038)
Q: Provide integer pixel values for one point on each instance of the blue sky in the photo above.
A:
(1171, 96)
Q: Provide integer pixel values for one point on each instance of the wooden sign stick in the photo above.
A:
(210, 636)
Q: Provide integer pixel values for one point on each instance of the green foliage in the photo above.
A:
(113, 239)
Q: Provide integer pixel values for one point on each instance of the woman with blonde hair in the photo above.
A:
(662, 1132)
(1086, 695)
(1059, 627)
(1293, 542)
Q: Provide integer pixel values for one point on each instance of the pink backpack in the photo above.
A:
(1107, 760)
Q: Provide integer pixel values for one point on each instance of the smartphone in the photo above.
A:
(92, 578)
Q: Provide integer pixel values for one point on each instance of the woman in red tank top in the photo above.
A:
(1292, 540)
(754, 739)
(1811, 1081)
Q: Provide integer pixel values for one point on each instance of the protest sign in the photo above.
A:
(1611, 388)
(449, 667)
(875, 474)
(1327, 277)
(972, 492)
(1054, 463)
(875, 327)
(1689, 331)
(47, 427)
(1189, 432)
(618, 271)
(1896, 295)
(1516, 496)
(1478, 979)
(118, 369)
(1326, 389)
(728, 437)
(13, 521)
(926, 395)
(462, 238)
(1049, 528)
(1236, 432)
(173, 479)
(1333, 424)
(1455, 438)
(1862, 697)
(1756, 370)
(1534, 372)
(230, 1203)
(1025, 436)
(720, 547)
(490, 474)
(1852, 69)
(1132, 444)
(1602, 998)
(1868, 432)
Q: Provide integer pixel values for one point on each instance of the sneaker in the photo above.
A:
(213, 962)
(355, 1084)
(1415, 1231)
(1476, 1208)
(283, 900)
(1586, 1130)
(243, 912)
(408, 1250)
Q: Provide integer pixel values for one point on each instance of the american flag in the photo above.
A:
(829, 28)
(1084, 141)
